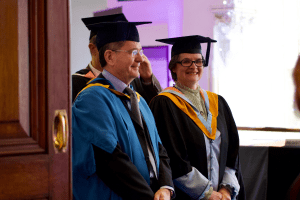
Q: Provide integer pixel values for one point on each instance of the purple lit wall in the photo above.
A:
(157, 11)
(158, 57)
(166, 17)
(170, 19)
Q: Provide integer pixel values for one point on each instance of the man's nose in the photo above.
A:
(139, 58)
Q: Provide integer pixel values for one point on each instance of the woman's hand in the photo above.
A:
(215, 196)
(225, 193)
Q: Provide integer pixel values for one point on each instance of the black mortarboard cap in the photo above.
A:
(188, 44)
(106, 18)
(108, 32)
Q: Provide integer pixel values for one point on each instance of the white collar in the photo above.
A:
(95, 71)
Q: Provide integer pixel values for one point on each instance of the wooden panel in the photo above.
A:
(9, 49)
(24, 177)
(10, 147)
(14, 106)
(23, 100)
(12, 129)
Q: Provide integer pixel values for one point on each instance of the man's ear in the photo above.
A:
(110, 57)
(93, 49)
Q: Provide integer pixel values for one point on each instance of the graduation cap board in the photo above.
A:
(108, 32)
(106, 18)
(188, 44)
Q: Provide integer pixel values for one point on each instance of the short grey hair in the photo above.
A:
(109, 46)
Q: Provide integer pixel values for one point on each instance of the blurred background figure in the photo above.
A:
(296, 77)
(294, 191)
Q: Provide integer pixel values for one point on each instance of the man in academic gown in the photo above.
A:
(115, 154)
(147, 85)
(197, 128)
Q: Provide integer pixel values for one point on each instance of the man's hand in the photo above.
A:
(145, 69)
(216, 196)
(162, 194)
(225, 193)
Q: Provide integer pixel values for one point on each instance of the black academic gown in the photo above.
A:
(79, 81)
(185, 143)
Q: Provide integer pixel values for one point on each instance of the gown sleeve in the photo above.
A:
(230, 180)
(194, 184)
(120, 174)
(147, 91)
(165, 173)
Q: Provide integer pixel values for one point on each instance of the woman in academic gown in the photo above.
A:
(197, 128)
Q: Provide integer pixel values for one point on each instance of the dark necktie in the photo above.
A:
(134, 105)
(136, 113)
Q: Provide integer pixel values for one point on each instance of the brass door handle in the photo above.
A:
(60, 131)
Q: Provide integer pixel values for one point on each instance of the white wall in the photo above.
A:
(198, 19)
(261, 51)
(80, 54)
(165, 17)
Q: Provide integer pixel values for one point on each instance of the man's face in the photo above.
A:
(126, 66)
(296, 76)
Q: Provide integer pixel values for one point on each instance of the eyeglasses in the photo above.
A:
(187, 62)
(133, 52)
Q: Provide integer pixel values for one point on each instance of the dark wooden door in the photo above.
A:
(34, 100)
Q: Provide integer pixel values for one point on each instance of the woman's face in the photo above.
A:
(188, 76)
